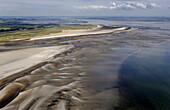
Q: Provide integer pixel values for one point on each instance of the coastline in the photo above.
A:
(33, 61)
(72, 33)
(34, 52)
(16, 57)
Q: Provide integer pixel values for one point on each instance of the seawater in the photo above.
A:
(145, 79)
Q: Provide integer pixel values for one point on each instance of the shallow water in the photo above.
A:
(133, 23)
(144, 79)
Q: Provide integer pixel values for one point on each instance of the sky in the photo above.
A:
(85, 8)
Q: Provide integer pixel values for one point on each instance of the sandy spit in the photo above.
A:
(71, 33)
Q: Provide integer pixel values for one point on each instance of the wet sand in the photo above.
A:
(84, 77)
(19, 60)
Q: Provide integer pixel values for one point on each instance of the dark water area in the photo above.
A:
(142, 22)
(145, 79)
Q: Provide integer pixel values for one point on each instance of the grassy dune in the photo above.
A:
(45, 30)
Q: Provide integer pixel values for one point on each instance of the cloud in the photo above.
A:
(97, 7)
(121, 5)
(133, 5)
(84, 7)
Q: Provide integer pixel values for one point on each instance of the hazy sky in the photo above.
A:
(85, 8)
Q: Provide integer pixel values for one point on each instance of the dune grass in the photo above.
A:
(27, 34)
(5, 28)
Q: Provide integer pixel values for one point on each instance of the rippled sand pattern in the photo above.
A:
(83, 78)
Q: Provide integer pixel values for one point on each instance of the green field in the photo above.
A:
(4, 28)
(29, 31)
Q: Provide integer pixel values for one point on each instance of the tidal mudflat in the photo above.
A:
(85, 77)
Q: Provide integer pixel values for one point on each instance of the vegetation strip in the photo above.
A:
(10, 32)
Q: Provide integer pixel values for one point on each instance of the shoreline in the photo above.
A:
(73, 33)
(33, 61)
(78, 32)
(68, 31)
(13, 53)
